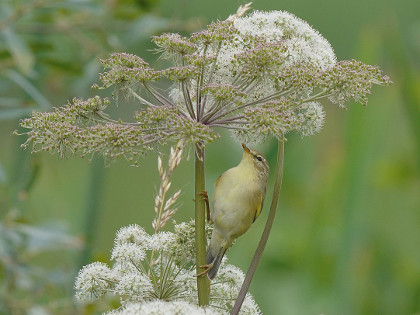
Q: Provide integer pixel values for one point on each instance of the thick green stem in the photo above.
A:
(266, 232)
(203, 283)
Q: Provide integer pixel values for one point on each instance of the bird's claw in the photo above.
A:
(207, 268)
(204, 195)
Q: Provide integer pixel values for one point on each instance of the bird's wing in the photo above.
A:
(260, 204)
(217, 180)
(209, 213)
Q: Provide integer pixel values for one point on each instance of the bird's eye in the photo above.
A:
(259, 158)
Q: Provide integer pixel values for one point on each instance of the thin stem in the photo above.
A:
(230, 127)
(200, 107)
(141, 99)
(158, 96)
(107, 119)
(214, 107)
(203, 283)
(212, 111)
(268, 98)
(322, 94)
(232, 120)
(266, 232)
(187, 100)
(213, 66)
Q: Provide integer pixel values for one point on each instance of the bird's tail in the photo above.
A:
(216, 260)
(215, 252)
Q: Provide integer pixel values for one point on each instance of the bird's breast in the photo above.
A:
(235, 201)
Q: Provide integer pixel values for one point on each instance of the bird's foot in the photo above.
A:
(207, 268)
(205, 197)
(203, 194)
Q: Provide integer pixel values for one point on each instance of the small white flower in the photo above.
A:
(231, 274)
(123, 268)
(93, 281)
(303, 42)
(164, 308)
(249, 306)
(312, 118)
(162, 241)
(128, 253)
(183, 247)
(133, 234)
(136, 286)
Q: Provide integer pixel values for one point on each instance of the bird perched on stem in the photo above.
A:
(237, 201)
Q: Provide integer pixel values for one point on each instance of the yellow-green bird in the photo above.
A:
(237, 201)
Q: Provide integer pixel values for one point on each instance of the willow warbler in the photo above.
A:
(237, 201)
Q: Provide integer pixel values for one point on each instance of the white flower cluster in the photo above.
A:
(93, 281)
(303, 43)
(158, 307)
(168, 286)
(266, 55)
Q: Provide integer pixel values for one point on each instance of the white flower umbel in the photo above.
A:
(168, 286)
(133, 234)
(93, 281)
(136, 285)
(164, 308)
(225, 289)
(304, 44)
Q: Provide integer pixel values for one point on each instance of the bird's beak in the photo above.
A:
(245, 148)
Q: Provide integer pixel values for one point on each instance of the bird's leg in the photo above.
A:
(206, 200)
(208, 267)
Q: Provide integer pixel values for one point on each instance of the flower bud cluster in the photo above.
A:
(126, 68)
(215, 33)
(278, 117)
(223, 92)
(176, 74)
(351, 79)
(174, 44)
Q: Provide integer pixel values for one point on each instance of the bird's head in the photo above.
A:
(257, 160)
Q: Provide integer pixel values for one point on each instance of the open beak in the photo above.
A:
(245, 148)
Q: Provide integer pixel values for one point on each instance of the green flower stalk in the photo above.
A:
(261, 75)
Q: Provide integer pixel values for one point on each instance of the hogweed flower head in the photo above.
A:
(170, 286)
(257, 75)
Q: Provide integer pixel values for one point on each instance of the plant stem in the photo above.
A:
(264, 237)
(203, 283)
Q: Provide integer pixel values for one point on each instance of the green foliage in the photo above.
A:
(47, 49)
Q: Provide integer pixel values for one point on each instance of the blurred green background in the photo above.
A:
(347, 234)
